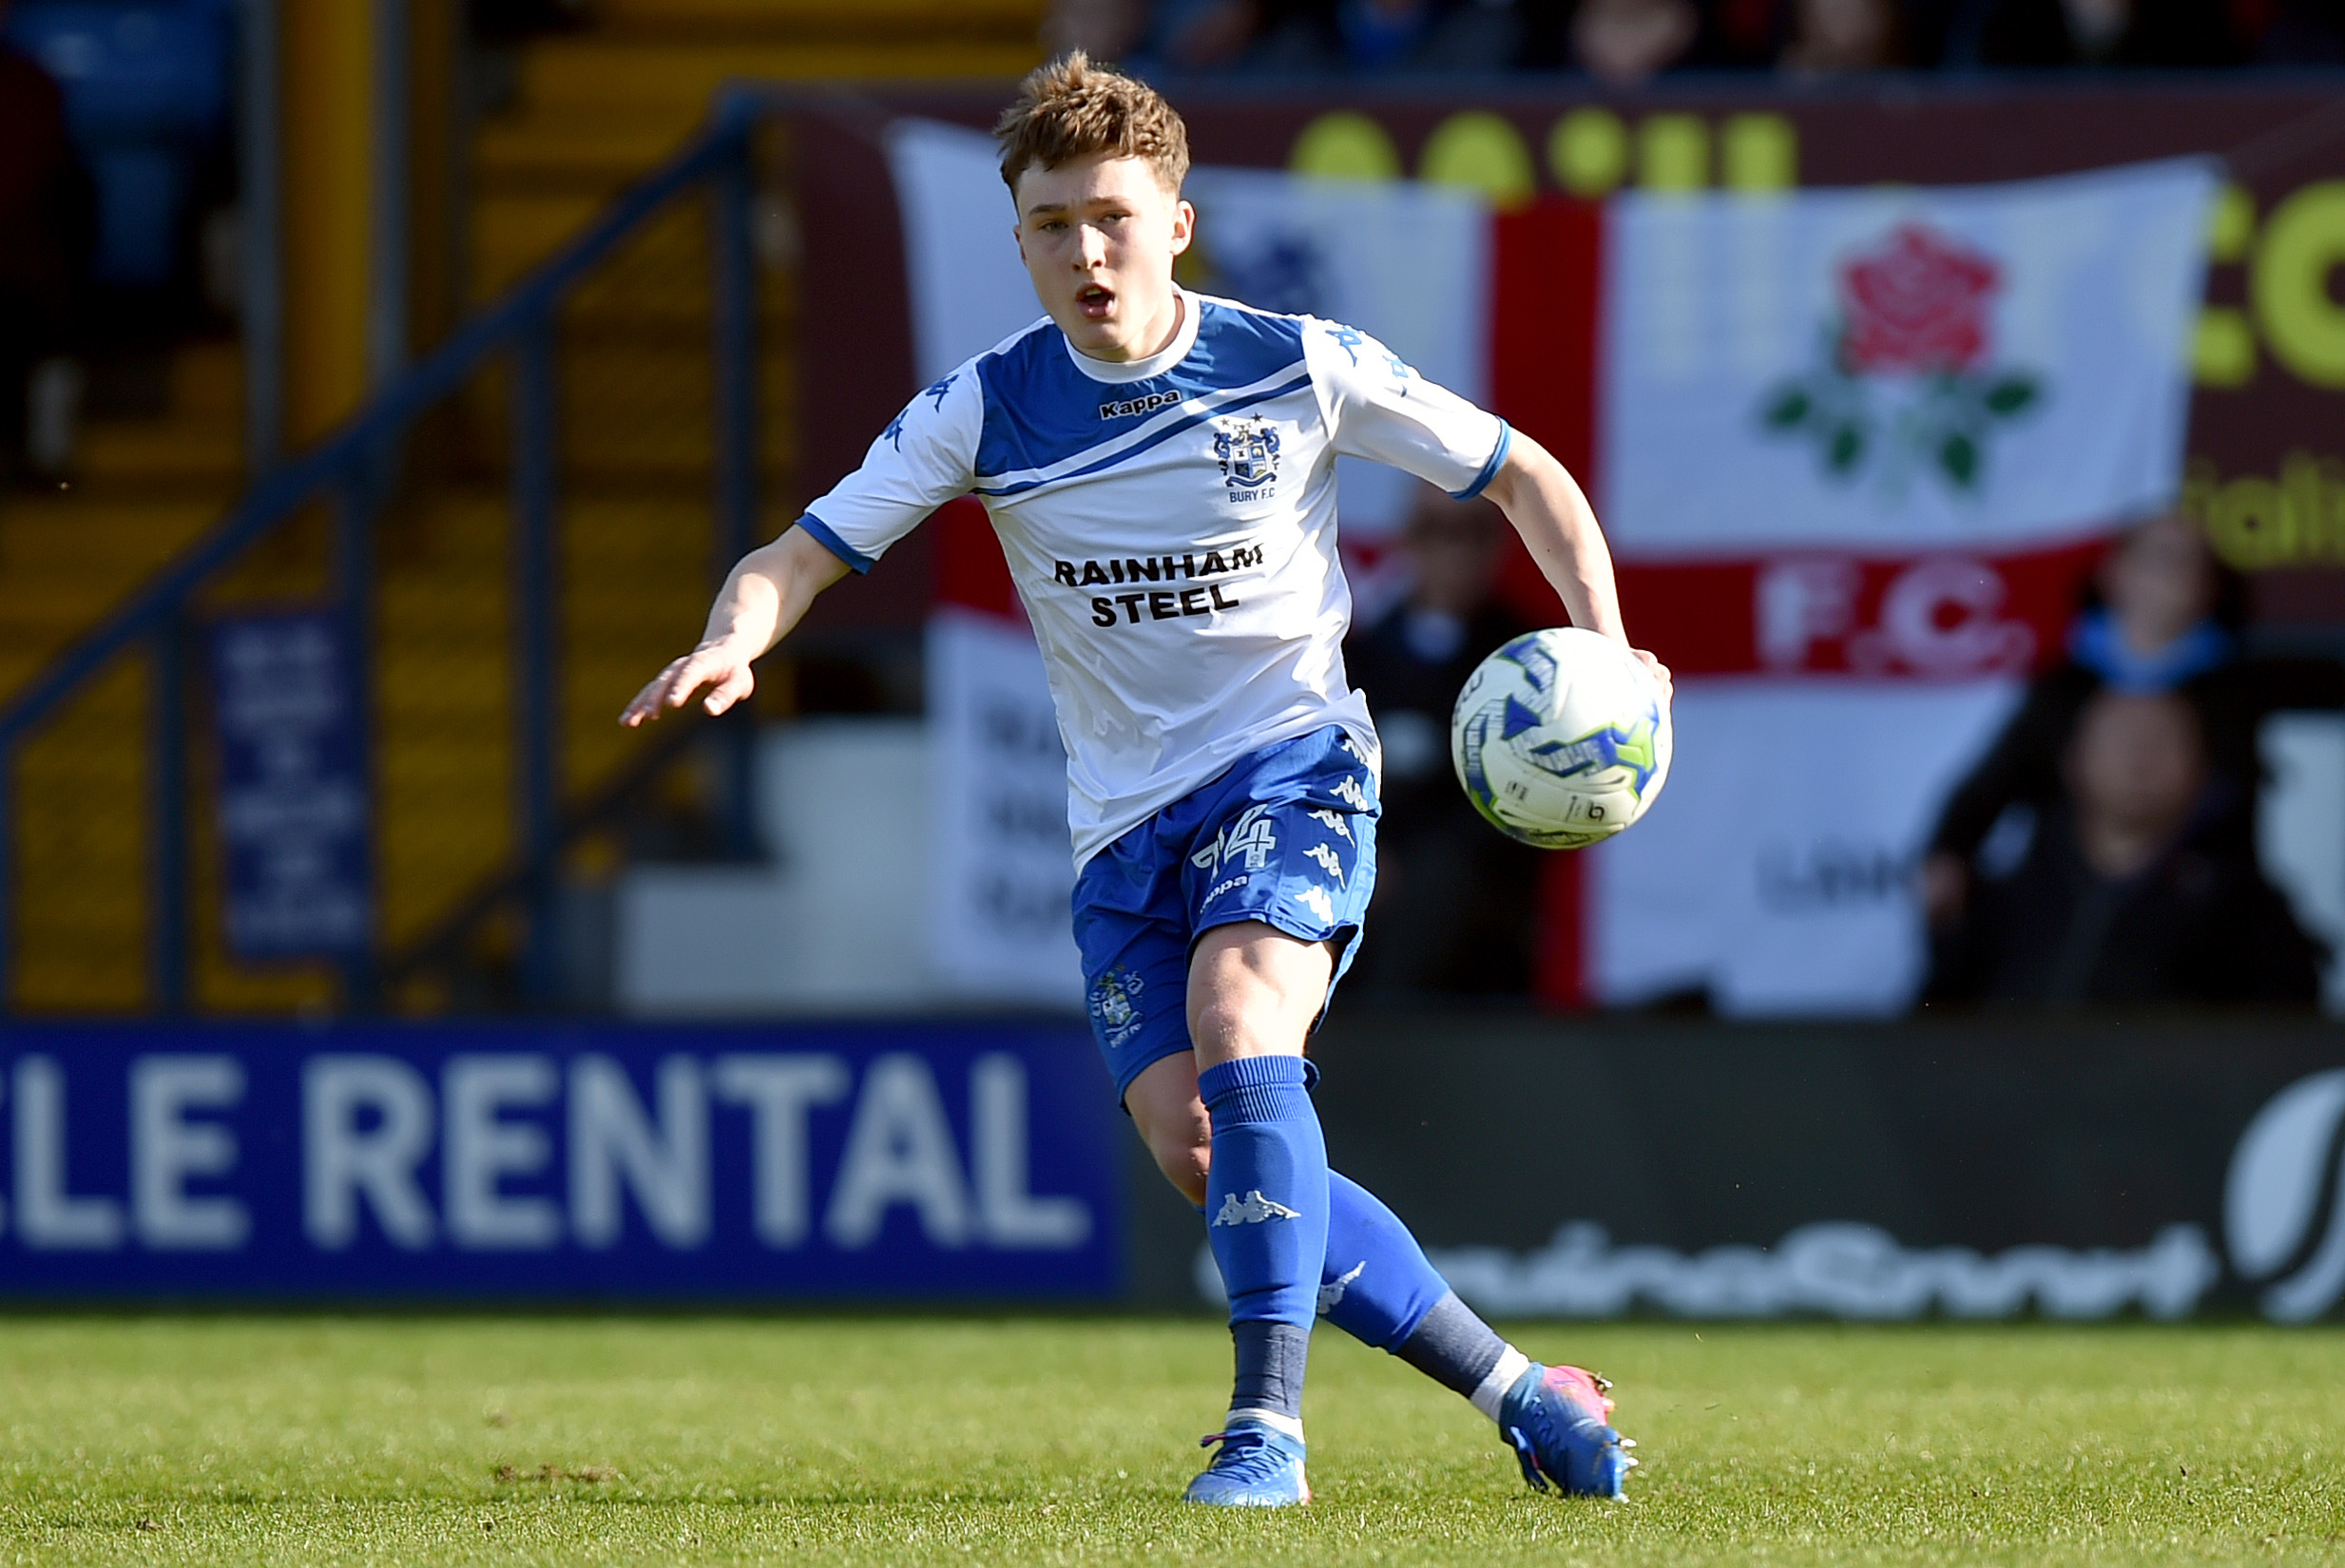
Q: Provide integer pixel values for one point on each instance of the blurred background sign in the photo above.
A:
(582, 1162)
(293, 818)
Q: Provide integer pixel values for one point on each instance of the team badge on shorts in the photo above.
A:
(1115, 1007)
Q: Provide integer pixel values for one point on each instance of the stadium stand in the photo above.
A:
(589, 110)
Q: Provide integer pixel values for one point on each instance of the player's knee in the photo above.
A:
(1253, 991)
(1186, 1166)
(1220, 1028)
(1252, 1023)
(1171, 1122)
(1180, 1141)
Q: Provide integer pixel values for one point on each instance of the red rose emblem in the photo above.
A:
(1918, 304)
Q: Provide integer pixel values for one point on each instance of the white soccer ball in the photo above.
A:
(1561, 738)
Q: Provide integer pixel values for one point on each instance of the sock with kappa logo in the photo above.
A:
(1375, 1285)
(1379, 1286)
(1266, 1219)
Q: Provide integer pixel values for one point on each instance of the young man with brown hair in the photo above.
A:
(1160, 468)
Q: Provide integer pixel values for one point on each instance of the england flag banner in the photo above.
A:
(1968, 369)
(1855, 451)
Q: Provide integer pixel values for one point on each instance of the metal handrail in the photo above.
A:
(348, 466)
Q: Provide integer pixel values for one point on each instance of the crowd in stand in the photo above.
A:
(1630, 41)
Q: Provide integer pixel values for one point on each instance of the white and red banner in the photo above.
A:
(1856, 451)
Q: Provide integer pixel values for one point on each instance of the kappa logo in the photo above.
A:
(1254, 835)
(1248, 452)
(1348, 790)
(893, 434)
(1329, 861)
(1332, 1292)
(1253, 1209)
(1130, 406)
(1335, 822)
(1317, 901)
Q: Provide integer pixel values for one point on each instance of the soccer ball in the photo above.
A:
(1561, 738)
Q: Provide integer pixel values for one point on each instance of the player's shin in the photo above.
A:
(1266, 1202)
(1378, 1287)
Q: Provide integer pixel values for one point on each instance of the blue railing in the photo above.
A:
(352, 470)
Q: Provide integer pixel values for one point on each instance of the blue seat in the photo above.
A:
(147, 85)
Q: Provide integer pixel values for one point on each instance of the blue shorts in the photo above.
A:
(1287, 836)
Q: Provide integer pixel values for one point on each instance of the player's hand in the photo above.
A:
(1658, 672)
(720, 666)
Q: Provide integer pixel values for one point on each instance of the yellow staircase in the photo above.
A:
(141, 491)
(591, 111)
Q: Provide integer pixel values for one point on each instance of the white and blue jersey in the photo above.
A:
(1170, 523)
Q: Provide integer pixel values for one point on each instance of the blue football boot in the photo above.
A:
(1259, 1467)
(1555, 1417)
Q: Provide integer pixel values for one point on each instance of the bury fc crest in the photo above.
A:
(1248, 452)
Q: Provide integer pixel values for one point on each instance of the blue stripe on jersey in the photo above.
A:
(838, 546)
(1162, 432)
(1489, 469)
(1041, 410)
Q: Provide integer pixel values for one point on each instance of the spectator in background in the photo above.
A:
(1313, 37)
(1182, 36)
(1104, 29)
(2166, 620)
(2125, 895)
(1832, 37)
(1623, 42)
(1455, 900)
(45, 228)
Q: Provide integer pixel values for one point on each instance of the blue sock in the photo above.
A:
(1266, 1212)
(1376, 1284)
(1379, 1288)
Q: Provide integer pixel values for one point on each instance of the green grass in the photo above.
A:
(313, 1439)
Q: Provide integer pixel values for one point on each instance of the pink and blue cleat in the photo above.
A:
(1257, 1468)
(1556, 1418)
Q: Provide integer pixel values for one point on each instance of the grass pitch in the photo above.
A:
(512, 1440)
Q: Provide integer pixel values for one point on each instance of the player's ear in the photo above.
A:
(1185, 227)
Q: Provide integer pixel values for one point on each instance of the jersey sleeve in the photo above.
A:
(923, 459)
(1379, 409)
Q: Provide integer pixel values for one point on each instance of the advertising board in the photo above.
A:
(2076, 1168)
(560, 1163)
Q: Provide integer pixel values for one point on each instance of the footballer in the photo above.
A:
(1159, 468)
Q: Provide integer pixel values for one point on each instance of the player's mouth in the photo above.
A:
(1096, 301)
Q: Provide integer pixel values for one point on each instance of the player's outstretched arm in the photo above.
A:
(765, 595)
(1548, 508)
